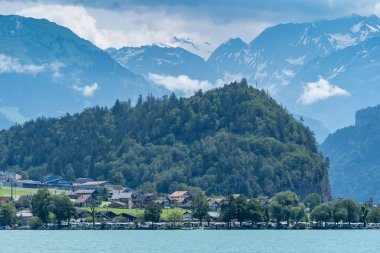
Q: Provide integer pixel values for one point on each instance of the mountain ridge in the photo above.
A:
(202, 141)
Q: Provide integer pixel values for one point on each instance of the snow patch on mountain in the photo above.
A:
(357, 27)
(203, 49)
(372, 29)
(296, 61)
(341, 41)
(336, 71)
(288, 73)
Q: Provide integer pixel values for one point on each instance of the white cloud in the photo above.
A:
(320, 90)
(181, 83)
(74, 17)
(87, 90)
(12, 65)
(9, 64)
(229, 78)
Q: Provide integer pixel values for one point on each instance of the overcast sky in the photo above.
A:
(207, 23)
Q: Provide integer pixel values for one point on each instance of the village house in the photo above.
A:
(116, 204)
(83, 180)
(71, 195)
(187, 204)
(133, 191)
(24, 201)
(60, 184)
(123, 197)
(215, 204)
(84, 200)
(82, 214)
(125, 217)
(143, 200)
(30, 184)
(84, 192)
(187, 216)
(106, 215)
(92, 185)
(180, 196)
(7, 177)
(163, 202)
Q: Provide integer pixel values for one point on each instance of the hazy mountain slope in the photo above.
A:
(355, 157)
(45, 69)
(318, 128)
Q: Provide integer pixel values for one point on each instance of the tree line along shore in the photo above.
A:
(285, 210)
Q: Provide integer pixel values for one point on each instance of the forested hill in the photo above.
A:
(355, 157)
(233, 139)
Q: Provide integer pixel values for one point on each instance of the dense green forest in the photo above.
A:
(233, 139)
(355, 157)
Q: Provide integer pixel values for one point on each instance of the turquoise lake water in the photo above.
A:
(192, 241)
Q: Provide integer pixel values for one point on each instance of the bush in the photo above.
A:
(35, 223)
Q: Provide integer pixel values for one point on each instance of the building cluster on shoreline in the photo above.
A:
(94, 204)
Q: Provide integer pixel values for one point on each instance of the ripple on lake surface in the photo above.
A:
(271, 241)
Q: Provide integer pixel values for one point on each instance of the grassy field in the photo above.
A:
(17, 192)
(137, 212)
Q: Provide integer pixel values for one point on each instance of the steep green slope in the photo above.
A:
(355, 157)
(234, 139)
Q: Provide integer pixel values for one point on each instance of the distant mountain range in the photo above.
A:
(318, 70)
(173, 61)
(355, 157)
(310, 67)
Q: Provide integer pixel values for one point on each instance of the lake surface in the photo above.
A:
(192, 241)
